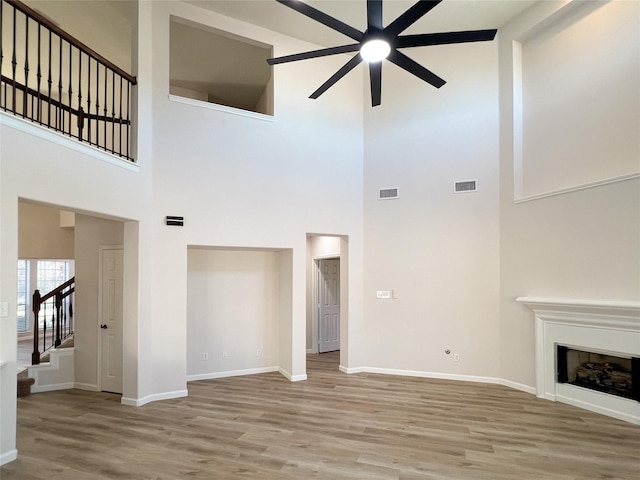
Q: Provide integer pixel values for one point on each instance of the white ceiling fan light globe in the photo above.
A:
(375, 50)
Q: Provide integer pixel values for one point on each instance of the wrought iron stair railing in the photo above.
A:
(58, 304)
(53, 79)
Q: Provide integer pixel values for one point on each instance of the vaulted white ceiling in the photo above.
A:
(448, 16)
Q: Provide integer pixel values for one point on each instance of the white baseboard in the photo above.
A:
(518, 386)
(635, 419)
(440, 376)
(9, 456)
(310, 350)
(52, 388)
(87, 386)
(292, 378)
(230, 373)
(156, 397)
(350, 371)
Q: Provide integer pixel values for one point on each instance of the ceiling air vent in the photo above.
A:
(465, 187)
(387, 193)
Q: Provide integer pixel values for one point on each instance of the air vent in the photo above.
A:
(465, 187)
(387, 193)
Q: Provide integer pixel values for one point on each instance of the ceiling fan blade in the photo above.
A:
(323, 18)
(350, 65)
(409, 17)
(401, 60)
(374, 15)
(314, 54)
(375, 75)
(445, 38)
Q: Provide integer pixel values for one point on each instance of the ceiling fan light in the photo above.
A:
(375, 50)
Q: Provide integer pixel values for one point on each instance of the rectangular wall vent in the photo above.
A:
(387, 193)
(465, 187)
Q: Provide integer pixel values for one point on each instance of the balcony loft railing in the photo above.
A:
(51, 78)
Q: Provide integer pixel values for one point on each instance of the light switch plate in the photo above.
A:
(4, 309)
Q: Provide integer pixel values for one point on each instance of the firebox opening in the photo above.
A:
(602, 372)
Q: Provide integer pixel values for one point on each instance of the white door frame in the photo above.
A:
(101, 250)
(315, 282)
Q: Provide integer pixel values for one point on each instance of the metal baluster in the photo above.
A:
(105, 106)
(14, 64)
(120, 126)
(44, 330)
(97, 103)
(39, 76)
(89, 99)
(60, 122)
(50, 82)
(113, 111)
(70, 86)
(80, 110)
(128, 116)
(26, 66)
(71, 314)
(58, 306)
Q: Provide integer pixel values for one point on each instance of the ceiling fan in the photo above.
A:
(379, 42)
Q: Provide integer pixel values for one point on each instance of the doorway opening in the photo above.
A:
(85, 247)
(327, 300)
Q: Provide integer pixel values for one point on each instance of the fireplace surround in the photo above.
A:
(603, 327)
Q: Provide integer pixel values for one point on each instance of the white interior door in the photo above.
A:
(329, 306)
(111, 290)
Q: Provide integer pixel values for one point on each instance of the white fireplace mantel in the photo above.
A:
(602, 326)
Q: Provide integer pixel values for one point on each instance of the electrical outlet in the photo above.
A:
(258, 352)
(456, 357)
(205, 356)
(225, 355)
(383, 294)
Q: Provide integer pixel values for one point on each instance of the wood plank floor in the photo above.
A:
(333, 426)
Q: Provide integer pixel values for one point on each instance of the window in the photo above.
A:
(43, 275)
(218, 67)
(23, 296)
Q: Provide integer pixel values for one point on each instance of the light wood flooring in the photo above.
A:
(333, 426)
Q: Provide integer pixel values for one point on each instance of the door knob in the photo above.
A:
(103, 326)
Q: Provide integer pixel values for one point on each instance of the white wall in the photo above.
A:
(91, 233)
(37, 167)
(233, 307)
(581, 108)
(581, 244)
(249, 182)
(438, 251)
(40, 234)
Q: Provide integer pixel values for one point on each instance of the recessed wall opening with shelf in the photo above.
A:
(218, 67)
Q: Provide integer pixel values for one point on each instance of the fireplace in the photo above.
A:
(592, 332)
(599, 371)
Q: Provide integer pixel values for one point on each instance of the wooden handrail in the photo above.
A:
(58, 289)
(70, 38)
(55, 103)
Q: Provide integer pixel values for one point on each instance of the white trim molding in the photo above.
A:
(9, 456)
(230, 373)
(138, 402)
(603, 326)
(58, 138)
(292, 378)
(221, 108)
